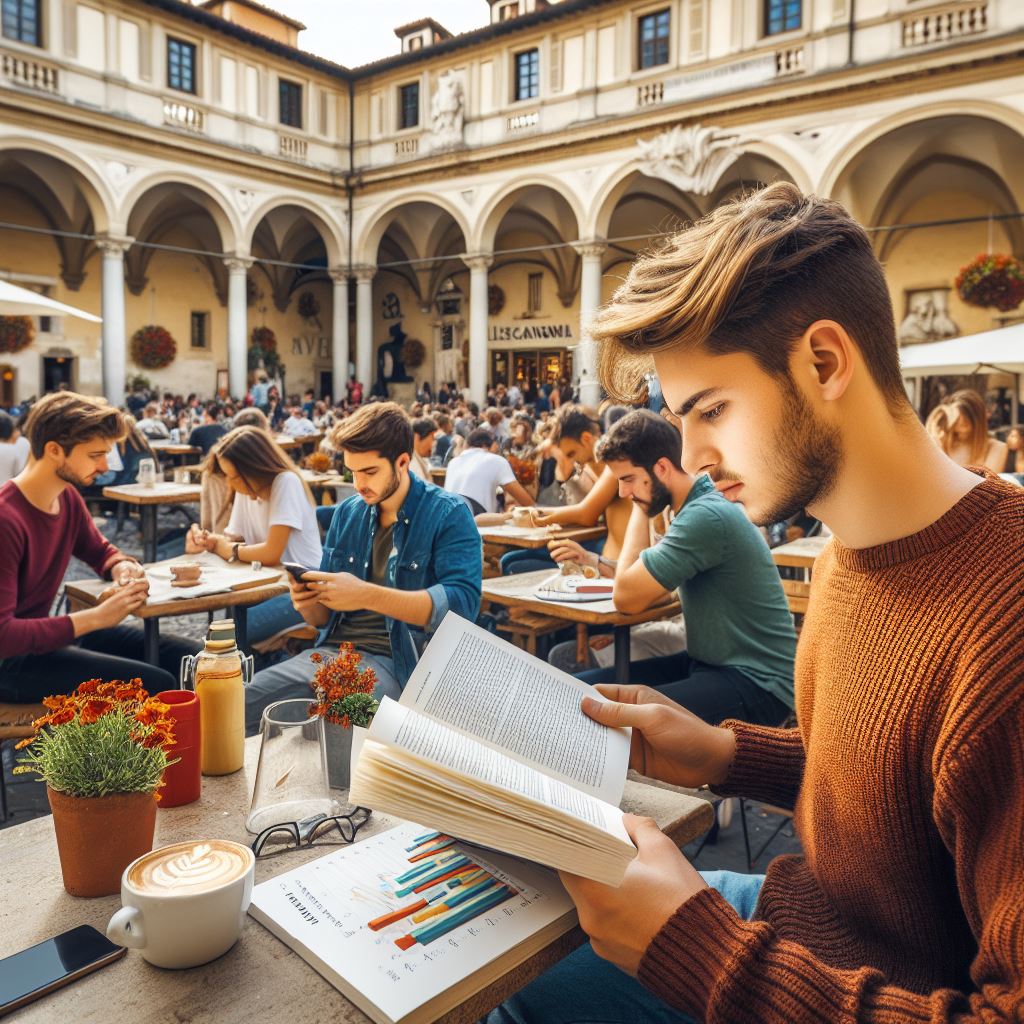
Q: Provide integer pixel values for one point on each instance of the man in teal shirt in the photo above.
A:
(739, 630)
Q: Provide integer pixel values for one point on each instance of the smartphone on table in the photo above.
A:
(53, 963)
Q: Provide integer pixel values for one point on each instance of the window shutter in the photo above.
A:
(695, 33)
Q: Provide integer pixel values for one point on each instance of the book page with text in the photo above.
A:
(484, 687)
(397, 726)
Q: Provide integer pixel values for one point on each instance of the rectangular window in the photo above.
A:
(200, 322)
(653, 38)
(409, 105)
(533, 293)
(528, 75)
(290, 97)
(181, 65)
(781, 16)
(21, 21)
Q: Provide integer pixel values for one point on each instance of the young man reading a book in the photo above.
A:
(43, 522)
(741, 641)
(772, 319)
(397, 556)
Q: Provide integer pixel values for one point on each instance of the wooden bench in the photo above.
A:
(526, 627)
(15, 724)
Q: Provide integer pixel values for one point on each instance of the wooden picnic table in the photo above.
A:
(259, 978)
(533, 537)
(519, 591)
(148, 500)
(175, 451)
(800, 553)
(247, 592)
(321, 482)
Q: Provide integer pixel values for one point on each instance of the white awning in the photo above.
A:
(17, 301)
(996, 351)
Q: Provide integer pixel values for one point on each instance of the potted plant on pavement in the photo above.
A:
(102, 752)
(343, 697)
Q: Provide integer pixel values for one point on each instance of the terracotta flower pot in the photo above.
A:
(98, 837)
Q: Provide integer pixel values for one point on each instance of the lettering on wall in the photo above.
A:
(530, 332)
(307, 344)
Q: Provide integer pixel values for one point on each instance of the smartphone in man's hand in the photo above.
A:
(297, 570)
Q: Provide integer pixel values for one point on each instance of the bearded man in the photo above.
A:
(740, 636)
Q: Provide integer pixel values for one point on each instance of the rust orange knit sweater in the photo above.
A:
(906, 773)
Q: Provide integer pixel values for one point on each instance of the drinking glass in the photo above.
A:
(182, 475)
(147, 472)
(291, 777)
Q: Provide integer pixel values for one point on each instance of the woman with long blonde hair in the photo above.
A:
(960, 428)
(273, 518)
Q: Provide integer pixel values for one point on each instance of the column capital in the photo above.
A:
(364, 272)
(592, 248)
(339, 275)
(113, 245)
(477, 260)
(238, 264)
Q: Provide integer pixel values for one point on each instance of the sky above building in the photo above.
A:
(354, 32)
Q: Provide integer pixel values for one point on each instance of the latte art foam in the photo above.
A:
(187, 868)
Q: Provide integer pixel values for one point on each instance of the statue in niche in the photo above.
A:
(390, 367)
(447, 110)
(927, 317)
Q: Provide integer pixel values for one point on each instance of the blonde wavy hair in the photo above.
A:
(964, 405)
(751, 277)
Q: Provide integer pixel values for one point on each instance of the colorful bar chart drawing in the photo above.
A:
(444, 889)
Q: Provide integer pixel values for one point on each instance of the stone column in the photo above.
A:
(114, 340)
(238, 328)
(590, 298)
(339, 331)
(478, 264)
(364, 326)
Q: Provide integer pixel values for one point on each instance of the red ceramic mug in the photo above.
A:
(182, 781)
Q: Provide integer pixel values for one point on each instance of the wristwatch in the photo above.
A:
(234, 551)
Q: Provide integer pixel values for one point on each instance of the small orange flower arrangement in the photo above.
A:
(106, 737)
(344, 691)
(319, 462)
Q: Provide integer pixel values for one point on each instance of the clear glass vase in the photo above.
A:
(291, 778)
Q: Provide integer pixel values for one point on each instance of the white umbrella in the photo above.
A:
(988, 352)
(15, 301)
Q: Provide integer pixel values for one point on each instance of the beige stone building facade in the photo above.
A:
(188, 166)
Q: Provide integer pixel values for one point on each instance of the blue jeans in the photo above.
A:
(268, 618)
(712, 692)
(290, 679)
(584, 989)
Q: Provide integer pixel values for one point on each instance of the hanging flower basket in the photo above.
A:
(413, 353)
(309, 306)
(16, 333)
(992, 281)
(153, 347)
(264, 348)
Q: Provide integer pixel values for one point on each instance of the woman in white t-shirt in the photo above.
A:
(273, 519)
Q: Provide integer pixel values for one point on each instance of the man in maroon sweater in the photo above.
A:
(43, 522)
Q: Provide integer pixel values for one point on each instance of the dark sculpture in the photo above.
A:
(391, 351)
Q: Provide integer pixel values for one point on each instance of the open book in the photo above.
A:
(488, 744)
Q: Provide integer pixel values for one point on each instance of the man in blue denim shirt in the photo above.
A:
(398, 555)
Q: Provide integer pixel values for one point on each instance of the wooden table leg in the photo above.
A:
(147, 520)
(151, 641)
(622, 654)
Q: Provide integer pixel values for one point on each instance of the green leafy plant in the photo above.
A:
(263, 348)
(105, 738)
(344, 691)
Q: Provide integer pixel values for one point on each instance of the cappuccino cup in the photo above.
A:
(185, 905)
